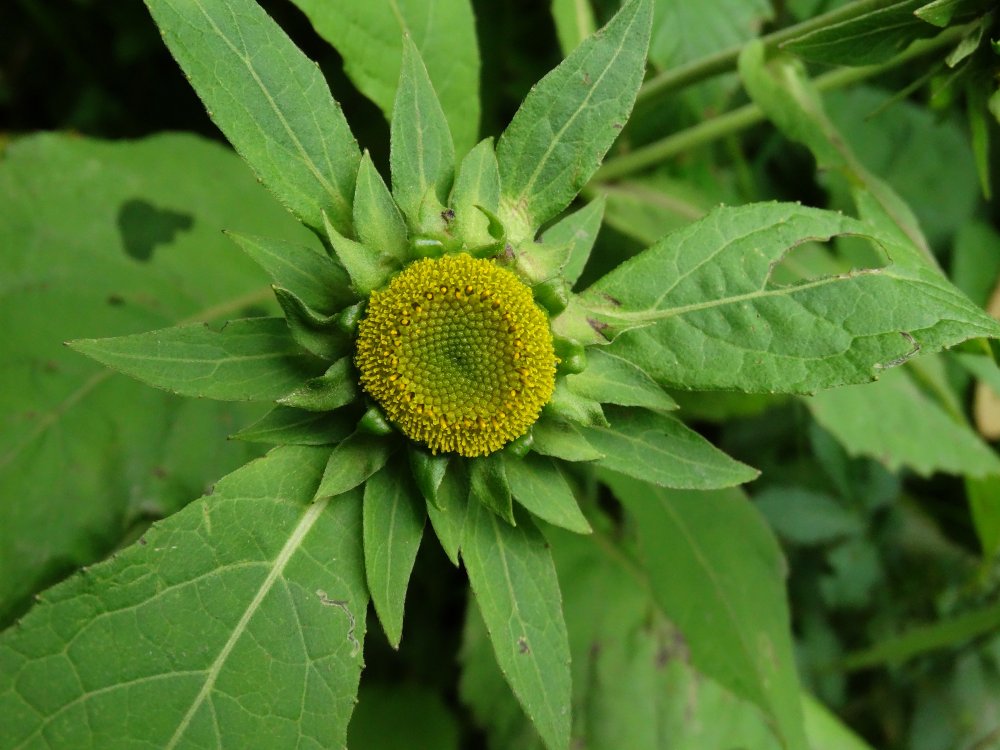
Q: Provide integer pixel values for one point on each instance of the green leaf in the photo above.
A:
(369, 36)
(428, 471)
(872, 37)
(422, 156)
(317, 334)
(574, 21)
(539, 485)
(572, 407)
(944, 633)
(941, 13)
(629, 667)
(514, 582)
(352, 462)
(127, 238)
(448, 514)
(306, 271)
(568, 121)
(269, 100)
(578, 231)
(825, 730)
(488, 485)
(661, 449)
(895, 422)
(254, 585)
(393, 526)
(477, 187)
(984, 503)
(286, 426)
(562, 440)
(804, 516)
(369, 268)
(609, 379)
(718, 573)
(331, 390)
(377, 220)
(254, 359)
(420, 719)
(714, 318)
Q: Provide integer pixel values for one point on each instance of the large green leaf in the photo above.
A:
(718, 573)
(254, 359)
(393, 526)
(515, 586)
(708, 315)
(369, 36)
(270, 101)
(238, 622)
(569, 120)
(663, 450)
(105, 239)
(897, 423)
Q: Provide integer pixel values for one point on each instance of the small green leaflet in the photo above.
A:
(271, 102)
(539, 484)
(251, 587)
(514, 581)
(249, 360)
(705, 314)
(569, 120)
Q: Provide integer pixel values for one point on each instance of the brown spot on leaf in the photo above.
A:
(522, 645)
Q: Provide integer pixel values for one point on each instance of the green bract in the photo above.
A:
(525, 390)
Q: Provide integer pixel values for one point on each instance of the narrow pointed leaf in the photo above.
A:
(448, 514)
(662, 450)
(717, 571)
(477, 187)
(574, 22)
(331, 390)
(488, 485)
(869, 38)
(369, 36)
(428, 471)
(284, 425)
(316, 333)
(579, 231)
(306, 271)
(539, 485)
(569, 120)
(562, 440)
(609, 379)
(352, 462)
(714, 319)
(249, 360)
(369, 268)
(422, 156)
(270, 101)
(514, 582)
(377, 220)
(393, 526)
(253, 596)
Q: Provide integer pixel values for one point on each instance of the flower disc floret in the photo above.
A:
(458, 354)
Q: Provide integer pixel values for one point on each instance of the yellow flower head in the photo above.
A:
(458, 354)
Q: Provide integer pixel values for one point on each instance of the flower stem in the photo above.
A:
(750, 114)
(724, 61)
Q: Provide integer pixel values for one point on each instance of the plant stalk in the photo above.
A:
(750, 114)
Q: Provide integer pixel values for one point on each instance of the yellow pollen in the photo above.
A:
(473, 368)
